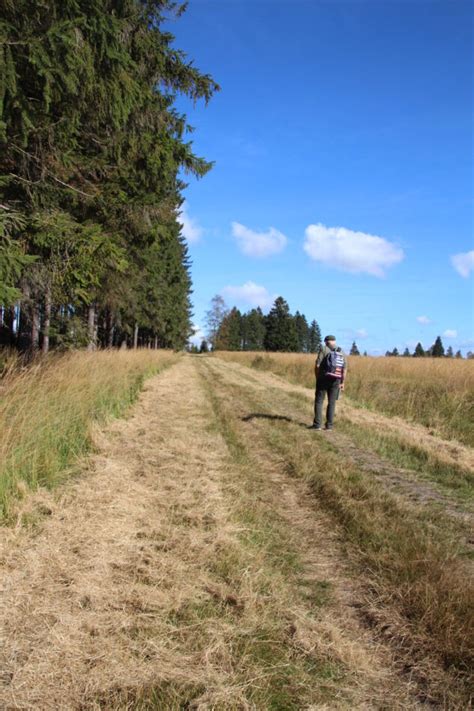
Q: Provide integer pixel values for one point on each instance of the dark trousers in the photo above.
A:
(329, 386)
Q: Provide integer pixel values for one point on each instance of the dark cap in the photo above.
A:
(329, 338)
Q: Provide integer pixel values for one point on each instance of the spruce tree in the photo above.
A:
(280, 333)
(229, 333)
(458, 354)
(253, 325)
(302, 332)
(419, 351)
(450, 352)
(354, 350)
(437, 349)
(89, 133)
(406, 353)
(314, 339)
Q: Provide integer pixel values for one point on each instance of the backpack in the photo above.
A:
(333, 363)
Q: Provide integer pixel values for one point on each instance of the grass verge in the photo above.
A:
(47, 412)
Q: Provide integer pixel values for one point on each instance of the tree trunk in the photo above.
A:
(110, 330)
(156, 343)
(135, 336)
(24, 327)
(91, 329)
(35, 327)
(46, 321)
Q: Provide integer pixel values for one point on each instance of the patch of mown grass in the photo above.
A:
(172, 695)
(48, 410)
(276, 673)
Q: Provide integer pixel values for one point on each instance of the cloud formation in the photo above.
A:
(258, 244)
(356, 252)
(191, 230)
(450, 333)
(249, 293)
(423, 319)
(463, 263)
(198, 335)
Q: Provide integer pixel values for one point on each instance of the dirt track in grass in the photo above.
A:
(177, 571)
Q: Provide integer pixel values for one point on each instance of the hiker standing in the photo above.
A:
(330, 370)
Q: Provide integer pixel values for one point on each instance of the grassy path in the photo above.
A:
(193, 564)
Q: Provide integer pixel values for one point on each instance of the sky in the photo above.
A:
(343, 177)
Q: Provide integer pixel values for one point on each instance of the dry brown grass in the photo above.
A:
(436, 392)
(167, 578)
(47, 411)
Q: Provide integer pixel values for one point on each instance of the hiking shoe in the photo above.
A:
(328, 429)
(314, 427)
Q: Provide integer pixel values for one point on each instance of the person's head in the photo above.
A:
(330, 341)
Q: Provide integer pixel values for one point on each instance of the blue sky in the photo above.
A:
(342, 141)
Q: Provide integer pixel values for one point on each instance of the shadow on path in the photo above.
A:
(262, 415)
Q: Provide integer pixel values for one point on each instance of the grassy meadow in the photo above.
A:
(435, 392)
(47, 412)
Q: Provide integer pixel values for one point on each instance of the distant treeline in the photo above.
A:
(91, 246)
(437, 350)
(230, 330)
(279, 330)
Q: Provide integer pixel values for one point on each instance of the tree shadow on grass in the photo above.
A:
(265, 416)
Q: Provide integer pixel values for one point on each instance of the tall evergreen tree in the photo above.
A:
(253, 330)
(437, 349)
(406, 353)
(90, 139)
(302, 332)
(314, 339)
(450, 352)
(419, 351)
(280, 334)
(229, 334)
(354, 350)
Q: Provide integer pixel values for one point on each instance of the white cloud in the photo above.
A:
(250, 293)
(351, 251)
(192, 231)
(463, 263)
(450, 333)
(258, 244)
(198, 335)
(361, 333)
(423, 319)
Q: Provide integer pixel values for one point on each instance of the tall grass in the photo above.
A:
(47, 412)
(436, 392)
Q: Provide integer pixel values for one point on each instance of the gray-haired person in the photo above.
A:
(330, 370)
